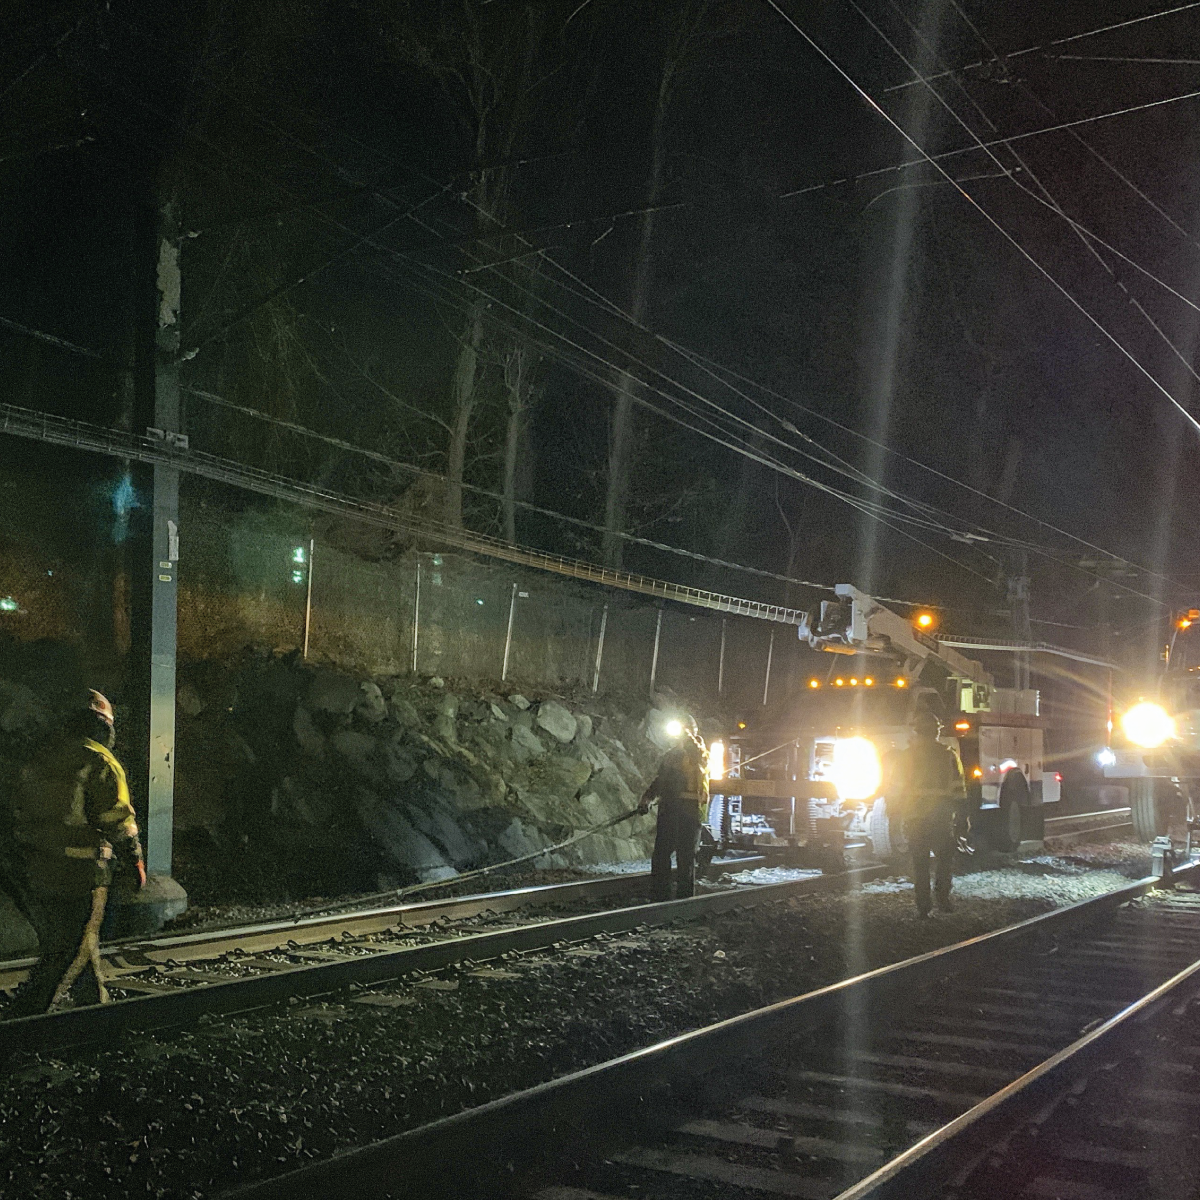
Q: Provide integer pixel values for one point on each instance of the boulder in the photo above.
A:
(444, 728)
(309, 737)
(557, 721)
(447, 706)
(17, 938)
(404, 712)
(498, 713)
(331, 692)
(526, 745)
(188, 701)
(584, 727)
(437, 681)
(442, 829)
(371, 706)
(358, 749)
(517, 840)
(398, 761)
(400, 840)
(518, 700)
(20, 710)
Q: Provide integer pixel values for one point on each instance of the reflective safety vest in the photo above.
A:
(72, 815)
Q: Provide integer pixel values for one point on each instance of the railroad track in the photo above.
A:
(1109, 824)
(173, 981)
(897, 1083)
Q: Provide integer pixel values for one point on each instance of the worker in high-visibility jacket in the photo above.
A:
(75, 824)
(928, 793)
(681, 789)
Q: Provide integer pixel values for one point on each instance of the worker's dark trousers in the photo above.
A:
(924, 835)
(65, 925)
(678, 833)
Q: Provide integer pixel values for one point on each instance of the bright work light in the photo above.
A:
(856, 770)
(674, 728)
(716, 760)
(1148, 725)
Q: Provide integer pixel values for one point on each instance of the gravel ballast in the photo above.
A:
(193, 1112)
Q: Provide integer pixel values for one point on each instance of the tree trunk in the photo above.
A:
(622, 429)
(463, 398)
(518, 379)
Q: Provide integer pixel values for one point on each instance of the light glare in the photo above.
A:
(856, 769)
(1148, 725)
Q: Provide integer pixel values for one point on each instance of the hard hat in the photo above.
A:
(926, 719)
(101, 706)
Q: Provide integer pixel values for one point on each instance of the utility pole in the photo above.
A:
(1018, 602)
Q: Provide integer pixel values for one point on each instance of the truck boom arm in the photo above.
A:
(856, 623)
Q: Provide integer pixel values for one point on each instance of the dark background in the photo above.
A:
(885, 307)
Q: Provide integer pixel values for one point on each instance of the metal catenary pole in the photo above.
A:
(416, 616)
(165, 549)
(600, 649)
(512, 612)
(721, 662)
(654, 660)
(312, 545)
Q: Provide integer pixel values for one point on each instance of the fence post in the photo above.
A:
(512, 612)
(312, 544)
(721, 662)
(654, 660)
(600, 650)
(416, 616)
(767, 680)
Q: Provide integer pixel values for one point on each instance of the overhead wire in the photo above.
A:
(1085, 235)
(400, 254)
(1043, 271)
(1112, 27)
(396, 464)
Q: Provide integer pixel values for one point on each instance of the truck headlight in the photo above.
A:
(856, 770)
(716, 760)
(1148, 725)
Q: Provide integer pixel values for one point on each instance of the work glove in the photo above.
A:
(964, 847)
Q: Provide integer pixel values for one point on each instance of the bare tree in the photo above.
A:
(683, 26)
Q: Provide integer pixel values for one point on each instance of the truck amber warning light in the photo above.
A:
(925, 621)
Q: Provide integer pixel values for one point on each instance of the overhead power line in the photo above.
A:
(412, 469)
(1008, 237)
(1063, 41)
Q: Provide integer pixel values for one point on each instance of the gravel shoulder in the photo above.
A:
(191, 1113)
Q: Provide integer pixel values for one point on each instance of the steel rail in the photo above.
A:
(1080, 827)
(106, 1022)
(261, 936)
(937, 1160)
(480, 1151)
(278, 933)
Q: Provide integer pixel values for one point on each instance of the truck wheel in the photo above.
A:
(1014, 796)
(1154, 804)
(879, 830)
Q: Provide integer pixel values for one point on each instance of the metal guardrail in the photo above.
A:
(1016, 647)
(80, 435)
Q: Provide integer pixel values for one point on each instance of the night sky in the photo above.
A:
(898, 333)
